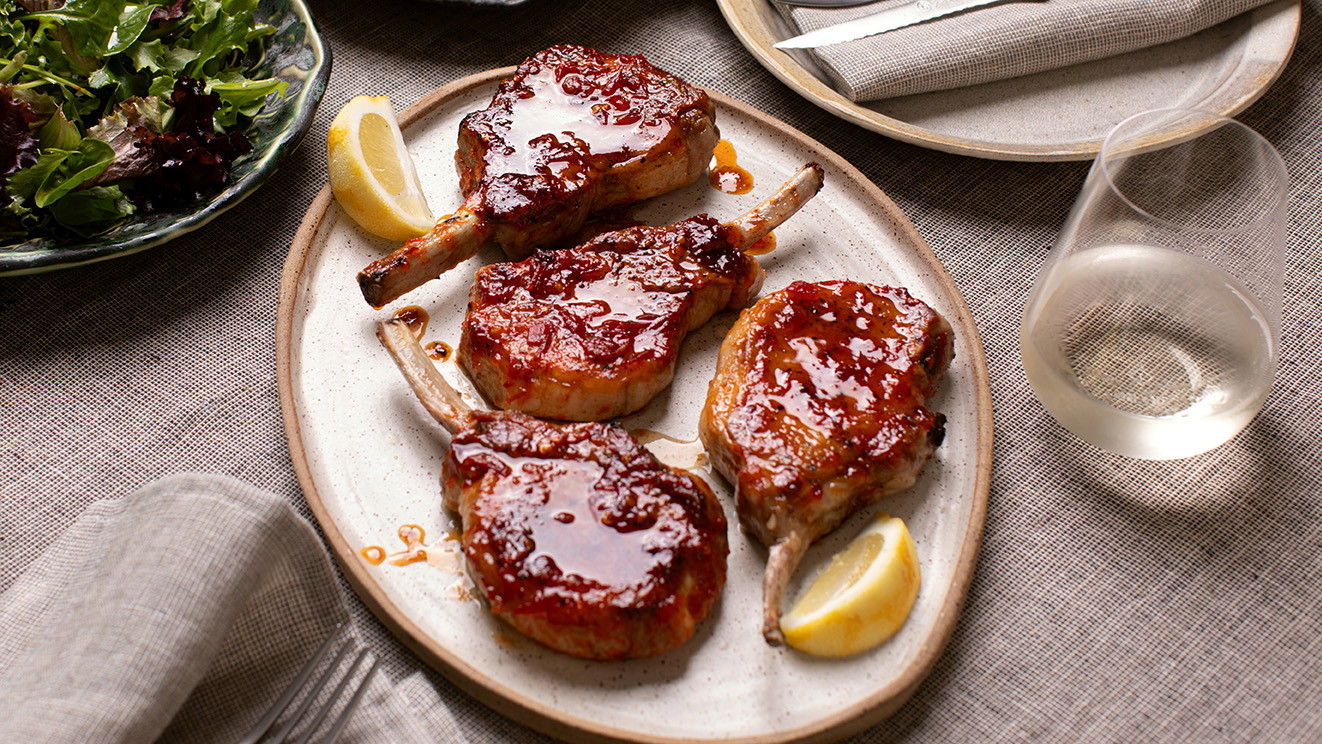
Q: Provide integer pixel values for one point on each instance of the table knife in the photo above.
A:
(880, 22)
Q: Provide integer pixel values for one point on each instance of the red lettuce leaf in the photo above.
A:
(171, 12)
(18, 148)
(120, 129)
(191, 160)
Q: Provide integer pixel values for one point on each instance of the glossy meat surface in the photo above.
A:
(580, 538)
(593, 332)
(575, 123)
(818, 410)
(574, 131)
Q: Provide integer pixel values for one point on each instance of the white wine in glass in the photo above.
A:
(1153, 330)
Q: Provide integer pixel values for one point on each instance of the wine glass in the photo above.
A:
(1153, 330)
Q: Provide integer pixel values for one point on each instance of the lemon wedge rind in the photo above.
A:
(862, 598)
(371, 172)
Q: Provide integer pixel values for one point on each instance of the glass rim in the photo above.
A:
(1215, 121)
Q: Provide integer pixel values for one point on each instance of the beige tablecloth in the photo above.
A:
(1113, 600)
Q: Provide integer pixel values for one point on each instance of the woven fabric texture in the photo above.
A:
(1003, 41)
(179, 614)
(1113, 600)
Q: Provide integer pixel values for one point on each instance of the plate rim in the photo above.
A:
(742, 18)
(546, 719)
(308, 99)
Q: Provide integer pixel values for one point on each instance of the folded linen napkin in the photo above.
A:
(999, 42)
(178, 614)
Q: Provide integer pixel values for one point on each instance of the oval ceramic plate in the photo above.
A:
(368, 458)
(295, 54)
(1049, 116)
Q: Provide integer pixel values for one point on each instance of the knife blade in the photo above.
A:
(880, 22)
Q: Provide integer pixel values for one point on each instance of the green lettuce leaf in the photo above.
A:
(214, 41)
(155, 56)
(79, 165)
(92, 211)
(23, 184)
(101, 27)
(244, 98)
(131, 23)
(59, 133)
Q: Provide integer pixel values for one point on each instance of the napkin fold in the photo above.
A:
(999, 42)
(178, 614)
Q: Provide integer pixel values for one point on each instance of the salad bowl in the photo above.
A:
(296, 54)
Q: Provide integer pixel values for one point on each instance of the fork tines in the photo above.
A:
(291, 716)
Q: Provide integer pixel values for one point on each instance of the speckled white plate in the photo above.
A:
(1054, 115)
(368, 458)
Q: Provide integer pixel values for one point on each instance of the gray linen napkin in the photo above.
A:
(178, 614)
(1000, 42)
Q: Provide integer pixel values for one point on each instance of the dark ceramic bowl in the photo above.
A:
(296, 54)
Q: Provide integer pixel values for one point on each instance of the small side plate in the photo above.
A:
(1054, 115)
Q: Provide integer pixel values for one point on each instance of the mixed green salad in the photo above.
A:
(110, 108)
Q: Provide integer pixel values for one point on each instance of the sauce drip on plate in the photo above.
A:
(439, 350)
(724, 174)
(763, 246)
(677, 453)
(415, 317)
(416, 550)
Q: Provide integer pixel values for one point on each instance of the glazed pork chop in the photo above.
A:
(574, 533)
(593, 332)
(574, 131)
(818, 410)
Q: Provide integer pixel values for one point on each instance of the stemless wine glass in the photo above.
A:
(1154, 326)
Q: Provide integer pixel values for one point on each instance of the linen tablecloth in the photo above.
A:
(178, 614)
(1113, 600)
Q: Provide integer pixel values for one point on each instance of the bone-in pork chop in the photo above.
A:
(818, 410)
(574, 533)
(594, 332)
(574, 131)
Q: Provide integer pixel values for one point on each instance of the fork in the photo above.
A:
(310, 695)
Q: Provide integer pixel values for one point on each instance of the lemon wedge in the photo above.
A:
(863, 596)
(371, 172)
